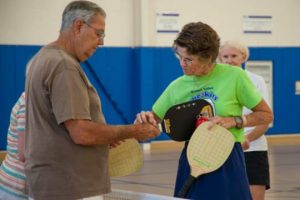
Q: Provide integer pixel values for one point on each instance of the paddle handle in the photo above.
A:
(186, 187)
(160, 127)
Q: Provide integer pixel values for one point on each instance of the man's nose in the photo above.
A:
(100, 42)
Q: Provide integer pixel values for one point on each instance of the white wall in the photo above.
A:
(226, 18)
(132, 22)
(38, 22)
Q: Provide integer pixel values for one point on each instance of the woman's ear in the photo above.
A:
(244, 56)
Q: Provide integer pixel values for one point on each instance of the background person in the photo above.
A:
(67, 139)
(229, 89)
(255, 145)
(12, 175)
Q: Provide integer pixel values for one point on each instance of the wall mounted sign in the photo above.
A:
(167, 22)
(261, 24)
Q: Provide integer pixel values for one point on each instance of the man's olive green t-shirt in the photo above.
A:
(58, 90)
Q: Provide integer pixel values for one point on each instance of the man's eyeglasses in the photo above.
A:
(100, 34)
(186, 61)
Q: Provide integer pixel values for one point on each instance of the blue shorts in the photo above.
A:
(229, 182)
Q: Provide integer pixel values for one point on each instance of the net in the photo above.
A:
(130, 195)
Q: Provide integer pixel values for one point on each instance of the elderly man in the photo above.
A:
(67, 138)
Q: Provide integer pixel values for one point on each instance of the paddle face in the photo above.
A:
(126, 158)
(207, 151)
(180, 120)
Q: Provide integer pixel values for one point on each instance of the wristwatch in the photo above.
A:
(238, 121)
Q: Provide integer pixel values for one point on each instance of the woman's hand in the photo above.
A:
(226, 122)
(245, 144)
(145, 117)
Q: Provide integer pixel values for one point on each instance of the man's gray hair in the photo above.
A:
(80, 10)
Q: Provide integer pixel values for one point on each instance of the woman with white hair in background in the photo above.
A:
(255, 145)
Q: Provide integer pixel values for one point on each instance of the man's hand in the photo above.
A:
(147, 131)
(115, 144)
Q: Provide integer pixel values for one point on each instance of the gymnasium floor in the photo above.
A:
(155, 181)
(158, 173)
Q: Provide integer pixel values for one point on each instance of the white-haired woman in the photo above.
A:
(255, 145)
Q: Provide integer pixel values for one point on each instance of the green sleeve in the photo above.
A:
(247, 93)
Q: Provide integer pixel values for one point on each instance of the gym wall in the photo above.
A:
(137, 63)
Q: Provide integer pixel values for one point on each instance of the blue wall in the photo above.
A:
(130, 79)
